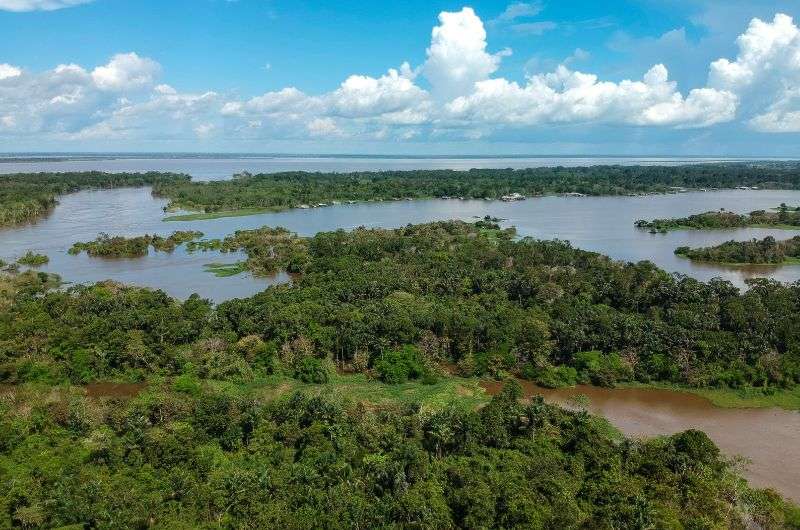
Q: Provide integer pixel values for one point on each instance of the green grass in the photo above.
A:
(358, 387)
(201, 216)
(733, 398)
(223, 270)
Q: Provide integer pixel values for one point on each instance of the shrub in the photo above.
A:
(312, 370)
(399, 365)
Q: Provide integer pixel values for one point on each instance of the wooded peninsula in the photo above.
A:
(28, 196)
(763, 251)
(781, 217)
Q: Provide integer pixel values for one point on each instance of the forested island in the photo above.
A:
(763, 251)
(246, 193)
(25, 197)
(28, 196)
(781, 217)
(106, 246)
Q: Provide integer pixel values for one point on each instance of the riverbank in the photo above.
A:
(206, 216)
(731, 398)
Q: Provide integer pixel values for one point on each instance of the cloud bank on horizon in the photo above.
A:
(21, 6)
(453, 95)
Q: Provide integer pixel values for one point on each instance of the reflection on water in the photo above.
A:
(601, 224)
(766, 437)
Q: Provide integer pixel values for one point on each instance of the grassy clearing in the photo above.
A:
(203, 216)
(358, 387)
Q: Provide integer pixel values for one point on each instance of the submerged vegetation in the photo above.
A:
(784, 217)
(28, 196)
(32, 259)
(223, 270)
(280, 191)
(268, 251)
(755, 251)
(106, 246)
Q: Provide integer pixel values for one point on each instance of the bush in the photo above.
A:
(551, 376)
(602, 369)
(400, 365)
(312, 370)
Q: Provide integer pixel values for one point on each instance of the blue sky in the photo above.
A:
(559, 77)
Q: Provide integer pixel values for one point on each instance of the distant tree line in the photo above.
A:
(292, 189)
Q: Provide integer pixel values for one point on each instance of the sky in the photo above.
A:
(620, 77)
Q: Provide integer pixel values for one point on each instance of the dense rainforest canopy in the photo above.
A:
(451, 292)
(205, 442)
(215, 456)
(27, 196)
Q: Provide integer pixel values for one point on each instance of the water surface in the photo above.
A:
(601, 224)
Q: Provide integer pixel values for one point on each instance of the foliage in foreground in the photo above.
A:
(224, 459)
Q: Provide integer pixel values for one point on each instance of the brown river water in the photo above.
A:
(767, 438)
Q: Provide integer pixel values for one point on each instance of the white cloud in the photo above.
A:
(766, 72)
(6, 71)
(454, 94)
(457, 56)
(519, 10)
(38, 5)
(566, 96)
(364, 96)
(125, 71)
(323, 127)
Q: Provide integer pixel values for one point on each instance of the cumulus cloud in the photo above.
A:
(455, 93)
(457, 56)
(766, 72)
(125, 71)
(6, 71)
(38, 5)
(571, 96)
